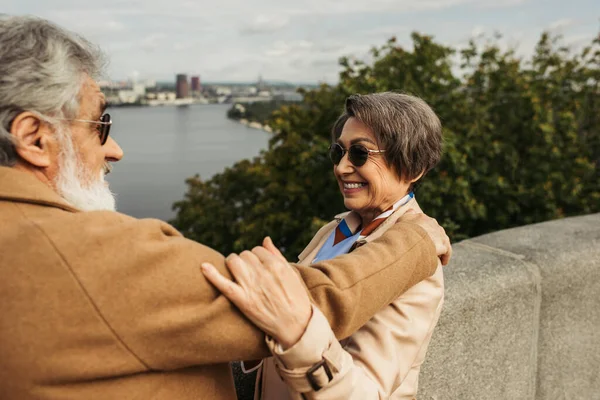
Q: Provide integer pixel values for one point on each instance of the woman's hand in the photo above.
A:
(435, 231)
(267, 290)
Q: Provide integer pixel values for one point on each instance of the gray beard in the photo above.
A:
(72, 181)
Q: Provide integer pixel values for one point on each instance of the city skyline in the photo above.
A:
(299, 42)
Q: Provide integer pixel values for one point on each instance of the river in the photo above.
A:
(165, 145)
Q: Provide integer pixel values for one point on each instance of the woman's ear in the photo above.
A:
(32, 139)
(417, 178)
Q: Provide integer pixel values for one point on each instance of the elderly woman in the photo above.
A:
(382, 144)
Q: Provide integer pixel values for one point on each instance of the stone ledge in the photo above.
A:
(477, 349)
(521, 317)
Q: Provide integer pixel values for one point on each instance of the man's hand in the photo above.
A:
(435, 232)
(268, 291)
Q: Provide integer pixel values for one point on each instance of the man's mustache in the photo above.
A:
(107, 168)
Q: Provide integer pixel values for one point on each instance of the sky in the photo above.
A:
(297, 41)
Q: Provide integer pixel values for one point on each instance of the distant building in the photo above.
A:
(128, 97)
(182, 86)
(149, 83)
(260, 85)
(196, 84)
(223, 91)
(166, 96)
(139, 89)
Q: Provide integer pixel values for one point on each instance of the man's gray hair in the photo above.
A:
(42, 69)
(405, 127)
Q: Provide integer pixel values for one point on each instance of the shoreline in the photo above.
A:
(253, 124)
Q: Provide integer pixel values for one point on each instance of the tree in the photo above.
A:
(522, 145)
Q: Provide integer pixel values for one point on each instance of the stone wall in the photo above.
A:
(521, 318)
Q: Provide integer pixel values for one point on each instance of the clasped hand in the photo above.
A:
(270, 293)
(267, 290)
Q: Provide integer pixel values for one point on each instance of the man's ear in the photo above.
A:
(33, 139)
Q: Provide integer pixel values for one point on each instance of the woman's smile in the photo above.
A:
(353, 187)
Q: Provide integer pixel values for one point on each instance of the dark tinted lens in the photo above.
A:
(358, 155)
(336, 153)
(104, 128)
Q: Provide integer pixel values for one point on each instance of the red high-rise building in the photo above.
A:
(182, 86)
(196, 84)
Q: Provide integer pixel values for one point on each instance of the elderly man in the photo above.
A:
(98, 305)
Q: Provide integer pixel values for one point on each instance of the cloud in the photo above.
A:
(332, 7)
(121, 45)
(326, 49)
(561, 24)
(294, 41)
(330, 47)
(114, 26)
(325, 62)
(152, 41)
(283, 48)
(499, 4)
(265, 24)
(90, 22)
(181, 46)
(577, 42)
(477, 31)
(387, 31)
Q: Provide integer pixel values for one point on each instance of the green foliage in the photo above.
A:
(258, 111)
(522, 145)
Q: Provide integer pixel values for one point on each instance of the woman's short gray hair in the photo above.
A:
(42, 69)
(405, 127)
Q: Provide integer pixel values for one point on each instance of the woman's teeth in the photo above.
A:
(354, 185)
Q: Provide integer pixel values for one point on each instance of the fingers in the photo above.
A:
(446, 257)
(435, 231)
(268, 244)
(239, 266)
(249, 258)
(267, 291)
(229, 289)
(267, 259)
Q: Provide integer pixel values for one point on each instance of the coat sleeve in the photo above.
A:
(144, 281)
(381, 358)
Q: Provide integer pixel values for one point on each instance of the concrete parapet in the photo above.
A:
(521, 318)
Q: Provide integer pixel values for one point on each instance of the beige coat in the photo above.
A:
(99, 305)
(380, 361)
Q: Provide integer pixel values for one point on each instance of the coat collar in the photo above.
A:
(310, 252)
(22, 187)
(353, 218)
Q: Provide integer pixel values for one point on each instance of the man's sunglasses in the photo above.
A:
(357, 154)
(103, 125)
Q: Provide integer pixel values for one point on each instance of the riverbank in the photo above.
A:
(255, 125)
(255, 115)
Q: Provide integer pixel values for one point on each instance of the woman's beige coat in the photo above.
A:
(380, 361)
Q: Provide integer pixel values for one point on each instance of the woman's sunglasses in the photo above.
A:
(357, 154)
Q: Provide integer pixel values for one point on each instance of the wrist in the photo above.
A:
(294, 331)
